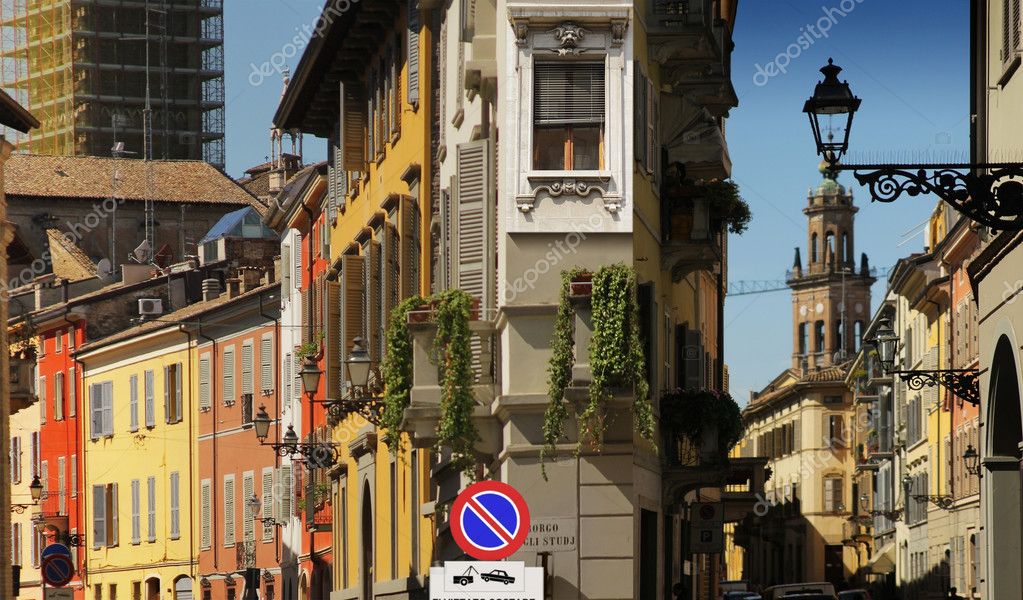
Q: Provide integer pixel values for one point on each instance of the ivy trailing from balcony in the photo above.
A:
(559, 369)
(453, 350)
(397, 370)
(691, 412)
(615, 355)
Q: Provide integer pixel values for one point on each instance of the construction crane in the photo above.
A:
(749, 287)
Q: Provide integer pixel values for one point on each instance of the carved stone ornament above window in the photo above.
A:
(569, 35)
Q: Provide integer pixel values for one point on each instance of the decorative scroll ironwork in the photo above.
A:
(316, 454)
(942, 502)
(366, 402)
(963, 383)
(990, 194)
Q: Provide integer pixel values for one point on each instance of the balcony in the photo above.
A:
(694, 217)
(423, 414)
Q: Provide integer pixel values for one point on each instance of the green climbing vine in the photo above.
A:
(456, 428)
(397, 370)
(615, 355)
(559, 370)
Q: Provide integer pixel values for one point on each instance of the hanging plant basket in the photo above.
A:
(582, 284)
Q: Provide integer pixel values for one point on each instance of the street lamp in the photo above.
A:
(35, 489)
(971, 458)
(261, 423)
(962, 383)
(864, 502)
(255, 504)
(316, 455)
(363, 395)
(989, 193)
(831, 98)
(310, 377)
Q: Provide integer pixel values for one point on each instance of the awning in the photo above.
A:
(884, 560)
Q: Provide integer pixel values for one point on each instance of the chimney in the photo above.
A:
(251, 279)
(234, 287)
(210, 289)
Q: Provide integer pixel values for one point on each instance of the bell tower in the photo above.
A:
(831, 293)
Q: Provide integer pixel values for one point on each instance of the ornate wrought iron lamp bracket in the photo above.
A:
(366, 401)
(942, 502)
(962, 383)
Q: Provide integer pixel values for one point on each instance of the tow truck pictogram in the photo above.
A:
(466, 577)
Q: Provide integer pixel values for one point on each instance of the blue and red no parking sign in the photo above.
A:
(490, 520)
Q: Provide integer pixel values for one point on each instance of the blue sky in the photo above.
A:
(907, 60)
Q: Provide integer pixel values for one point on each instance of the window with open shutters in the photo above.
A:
(410, 247)
(333, 355)
(352, 298)
(1010, 30)
(266, 373)
(568, 117)
(474, 220)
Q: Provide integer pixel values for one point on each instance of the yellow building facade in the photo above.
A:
(140, 449)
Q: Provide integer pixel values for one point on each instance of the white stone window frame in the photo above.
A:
(564, 200)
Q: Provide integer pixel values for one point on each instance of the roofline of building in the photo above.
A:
(14, 115)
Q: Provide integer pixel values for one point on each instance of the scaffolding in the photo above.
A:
(86, 68)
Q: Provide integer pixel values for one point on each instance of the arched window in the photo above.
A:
(838, 334)
(813, 249)
(804, 338)
(829, 244)
(183, 588)
(847, 248)
(818, 336)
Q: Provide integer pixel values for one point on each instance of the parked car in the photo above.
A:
(854, 595)
(742, 596)
(802, 591)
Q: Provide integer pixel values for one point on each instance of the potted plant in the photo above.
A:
(708, 418)
(581, 283)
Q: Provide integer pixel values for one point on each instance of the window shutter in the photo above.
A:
(307, 324)
(288, 382)
(829, 494)
(296, 258)
(133, 399)
(43, 400)
(412, 47)
(371, 116)
(692, 359)
(285, 272)
(58, 396)
(247, 382)
(410, 248)
(332, 161)
(175, 507)
(567, 93)
(297, 386)
(352, 291)
(374, 300)
(179, 414)
(74, 475)
(653, 150)
(205, 517)
(266, 373)
(204, 383)
(150, 398)
(99, 516)
(167, 417)
(333, 356)
(354, 124)
(14, 459)
(151, 508)
(229, 514)
(287, 487)
(639, 130)
(136, 510)
(114, 521)
(248, 524)
(72, 409)
(391, 274)
(228, 376)
(44, 475)
(62, 485)
(475, 223)
(395, 108)
(268, 504)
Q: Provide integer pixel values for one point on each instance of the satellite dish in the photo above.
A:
(105, 268)
(141, 254)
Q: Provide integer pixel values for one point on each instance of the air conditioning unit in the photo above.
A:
(150, 306)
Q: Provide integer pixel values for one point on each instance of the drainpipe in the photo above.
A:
(191, 454)
(312, 406)
(277, 407)
(213, 403)
(80, 462)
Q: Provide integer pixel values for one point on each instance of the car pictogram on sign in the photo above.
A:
(499, 576)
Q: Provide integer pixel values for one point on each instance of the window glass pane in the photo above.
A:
(550, 148)
(586, 148)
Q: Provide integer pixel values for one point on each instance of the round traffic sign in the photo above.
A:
(55, 549)
(490, 520)
(57, 570)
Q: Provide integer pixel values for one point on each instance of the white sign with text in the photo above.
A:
(486, 580)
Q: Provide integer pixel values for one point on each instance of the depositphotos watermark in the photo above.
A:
(808, 36)
(278, 61)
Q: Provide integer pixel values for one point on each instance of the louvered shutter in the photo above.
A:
(204, 383)
(114, 515)
(179, 413)
(333, 355)
(391, 274)
(228, 376)
(287, 493)
(268, 504)
(58, 396)
(205, 538)
(229, 514)
(395, 110)
(167, 393)
(354, 125)
(151, 509)
(568, 93)
(371, 116)
(285, 271)
(72, 405)
(175, 506)
(412, 48)
(829, 494)
(475, 223)
(62, 485)
(266, 373)
(248, 523)
(410, 248)
(133, 400)
(639, 118)
(108, 408)
(150, 377)
(99, 516)
(352, 292)
(306, 317)
(333, 161)
(693, 359)
(296, 259)
(136, 511)
(288, 381)
(247, 382)
(297, 385)
(373, 297)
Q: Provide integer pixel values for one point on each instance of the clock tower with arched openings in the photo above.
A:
(831, 292)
